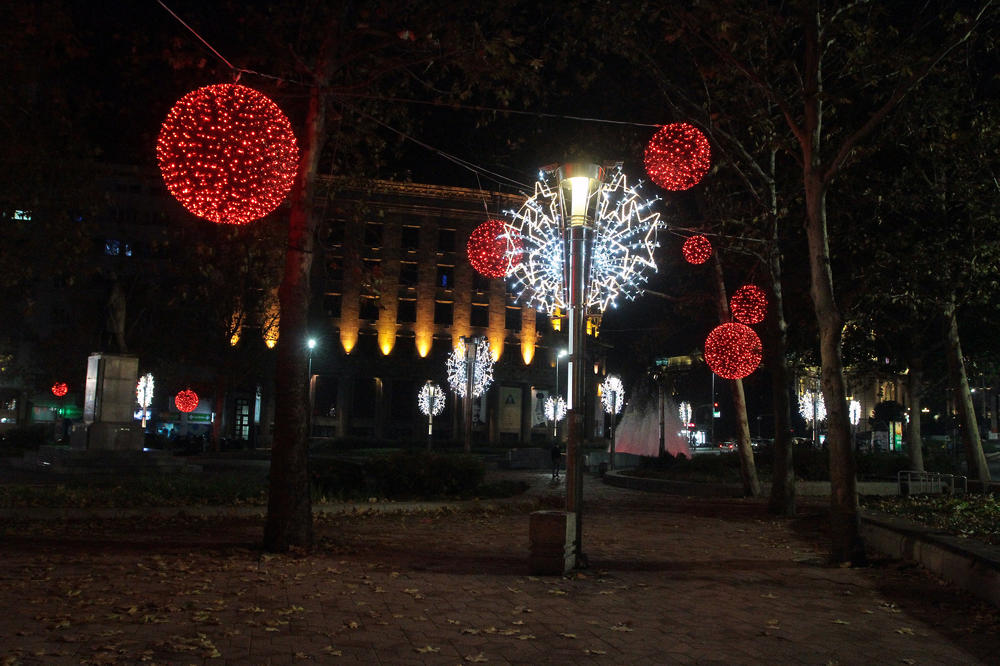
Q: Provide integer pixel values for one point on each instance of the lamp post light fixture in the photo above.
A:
(613, 397)
(311, 344)
(555, 426)
(430, 400)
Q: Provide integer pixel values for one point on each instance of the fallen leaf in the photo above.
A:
(621, 627)
(596, 652)
(568, 635)
(476, 658)
(905, 630)
(425, 650)
(841, 622)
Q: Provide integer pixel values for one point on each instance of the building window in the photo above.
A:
(117, 248)
(407, 311)
(369, 309)
(446, 240)
(480, 315)
(443, 312)
(480, 283)
(373, 234)
(411, 238)
(445, 276)
(408, 273)
(331, 303)
(335, 232)
(335, 269)
(513, 319)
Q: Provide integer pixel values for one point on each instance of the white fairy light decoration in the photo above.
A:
(854, 412)
(623, 240)
(807, 402)
(430, 399)
(685, 413)
(482, 374)
(144, 395)
(555, 408)
(612, 394)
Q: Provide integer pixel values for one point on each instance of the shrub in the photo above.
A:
(412, 474)
(25, 438)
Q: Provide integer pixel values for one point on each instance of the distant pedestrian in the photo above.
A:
(556, 453)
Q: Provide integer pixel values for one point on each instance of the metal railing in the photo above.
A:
(912, 482)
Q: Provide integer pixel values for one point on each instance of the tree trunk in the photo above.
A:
(782, 500)
(289, 507)
(748, 468)
(974, 456)
(914, 386)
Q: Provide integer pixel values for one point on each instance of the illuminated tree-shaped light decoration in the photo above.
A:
(811, 405)
(696, 250)
(493, 248)
(748, 304)
(186, 400)
(227, 153)
(623, 240)
(482, 372)
(678, 156)
(853, 412)
(60, 389)
(684, 411)
(733, 351)
(144, 395)
(555, 408)
(612, 394)
(430, 399)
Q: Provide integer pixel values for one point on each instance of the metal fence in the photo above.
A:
(911, 482)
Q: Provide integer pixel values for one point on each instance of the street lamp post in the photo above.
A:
(311, 344)
(471, 344)
(555, 424)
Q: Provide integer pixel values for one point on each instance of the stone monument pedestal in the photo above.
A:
(552, 535)
(109, 401)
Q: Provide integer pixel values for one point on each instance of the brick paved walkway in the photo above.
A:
(672, 581)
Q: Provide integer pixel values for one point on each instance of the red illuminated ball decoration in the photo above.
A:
(733, 351)
(493, 249)
(59, 389)
(678, 156)
(227, 153)
(696, 250)
(749, 304)
(186, 400)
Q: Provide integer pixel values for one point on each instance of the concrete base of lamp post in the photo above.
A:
(553, 542)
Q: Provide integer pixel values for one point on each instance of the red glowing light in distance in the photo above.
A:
(59, 389)
(186, 400)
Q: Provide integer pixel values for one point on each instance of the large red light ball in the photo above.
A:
(494, 248)
(59, 389)
(678, 156)
(733, 351)
(227, 153)
(696, 250)
(749, 304)
(186, 400)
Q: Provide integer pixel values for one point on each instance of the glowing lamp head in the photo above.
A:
(579, 183)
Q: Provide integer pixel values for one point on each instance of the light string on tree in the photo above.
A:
(812, 406)
(623, 239)
(748, 304)
(494, 248)
(482, 373)
(696, 250)
(733, 351)
(430, 399)
(227, 153)
(684, 412)
(677, 157)
(186, 400)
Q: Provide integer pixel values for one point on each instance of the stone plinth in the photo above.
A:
(552, 535)
(109, 403)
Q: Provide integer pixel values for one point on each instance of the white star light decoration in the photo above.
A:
(555, 408)
(430, 400)
(623, 240)
(806, 403)
(482, 374)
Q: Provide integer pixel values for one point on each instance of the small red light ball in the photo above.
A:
(227, 153)
(749, 304)
(733, 351)
(494, 248)
(678, 156)
(59, 389)
(186, 400)
(696, 250)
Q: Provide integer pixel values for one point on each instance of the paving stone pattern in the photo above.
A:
(672, 581)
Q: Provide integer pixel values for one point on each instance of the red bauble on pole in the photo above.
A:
(227, 153)
(749, 304)
(733, 351)
(186, 400)
(678, 156)
(488, 249)
(696, 250)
